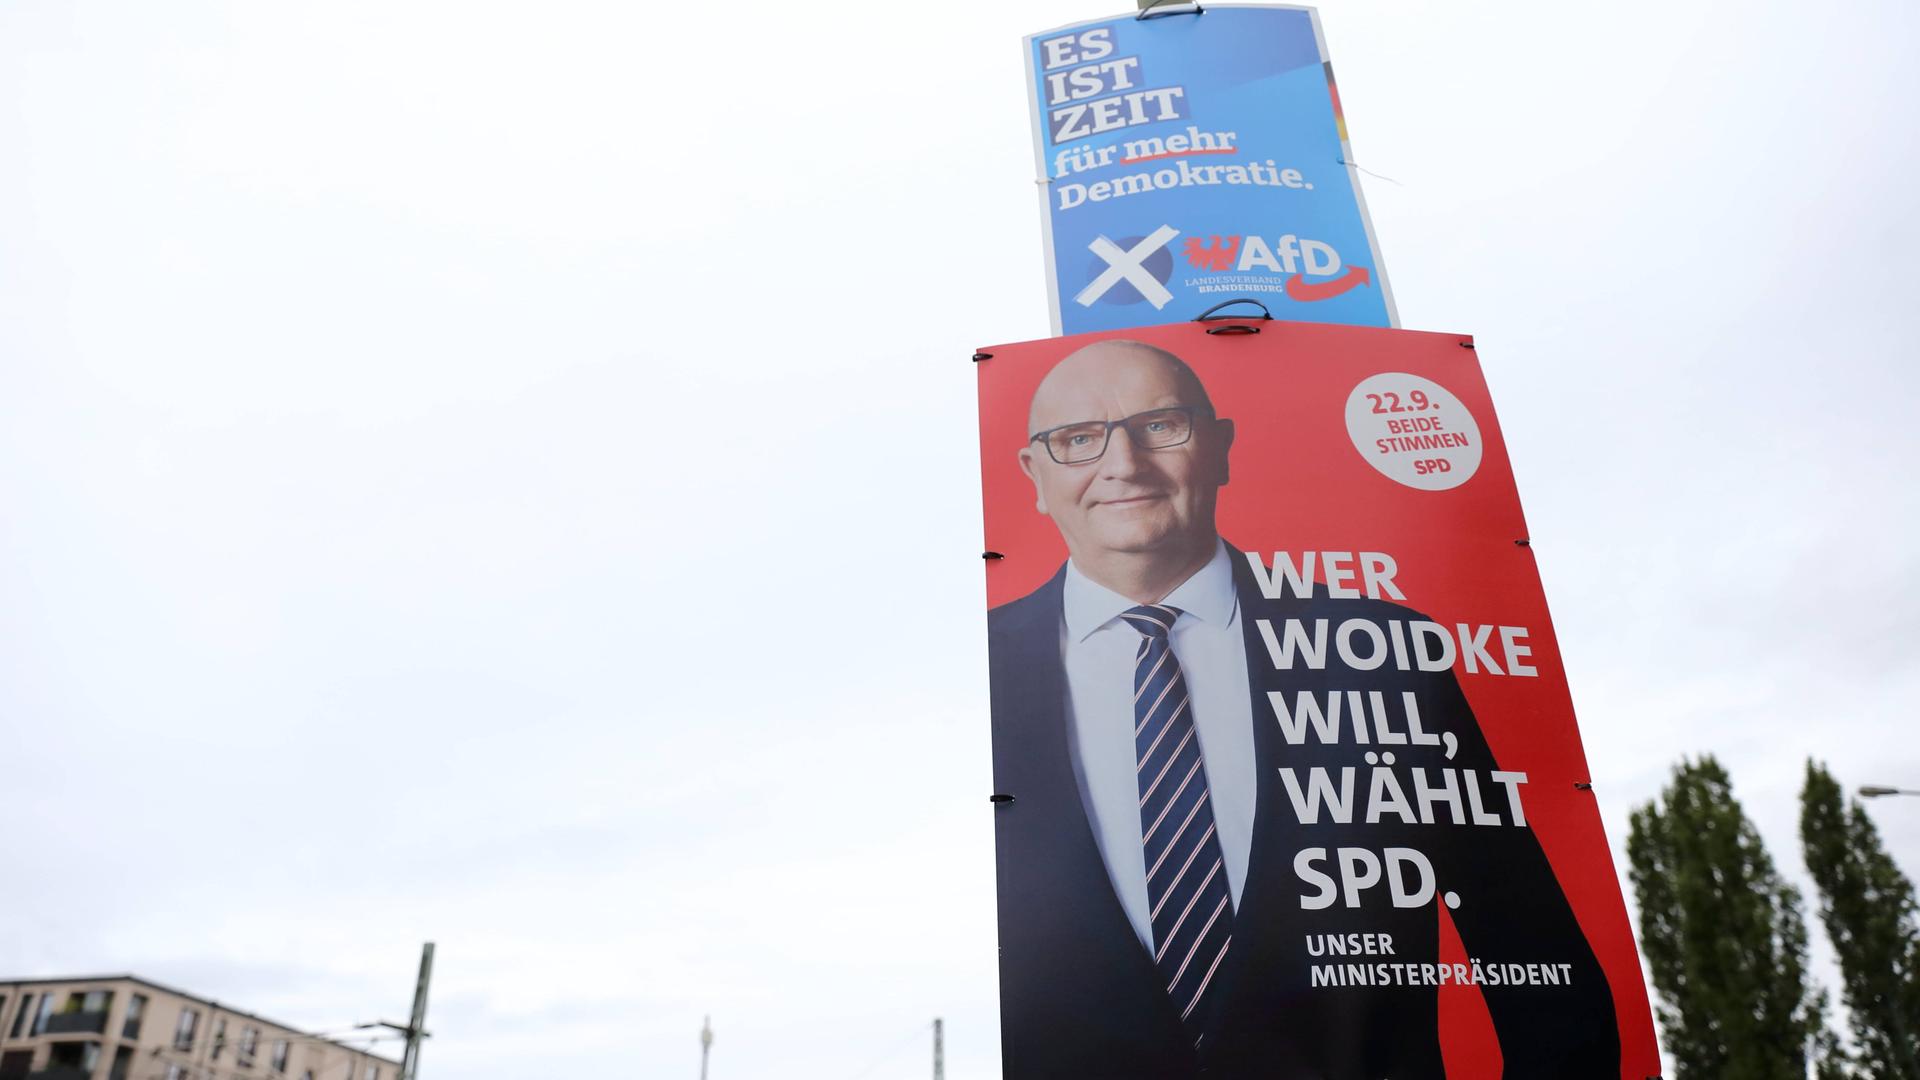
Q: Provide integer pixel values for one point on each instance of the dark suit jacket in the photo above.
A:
(1081, 999)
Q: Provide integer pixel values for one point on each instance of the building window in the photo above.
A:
(249, 1044)
(183, 1031)
(20, 1018)
(308, 1075)
(136, 1008)
(87, 1001)
(373, 1072)
(122, 1064)
(74, 1055)
(46, 1011)
(176, 1072)
(279, 1055)
(219, 1037)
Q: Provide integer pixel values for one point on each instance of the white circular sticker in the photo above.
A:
(1413, 431)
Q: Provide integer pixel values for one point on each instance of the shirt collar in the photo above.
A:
(1208, 596)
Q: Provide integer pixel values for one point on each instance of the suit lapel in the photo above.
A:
(1049, 818)
(1256, 919)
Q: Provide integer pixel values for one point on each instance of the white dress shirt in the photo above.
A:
(1098, 649)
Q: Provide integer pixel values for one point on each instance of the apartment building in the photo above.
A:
(122, 1027)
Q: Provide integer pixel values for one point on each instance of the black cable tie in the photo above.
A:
(1466, 344)
(1578, 786)
(1147, 12)
(991, 555)
(1233, 327)
(1209, 316)
(999, 798)
(979, 356)
(1523, 543)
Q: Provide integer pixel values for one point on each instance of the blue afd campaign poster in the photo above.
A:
(1197, 156)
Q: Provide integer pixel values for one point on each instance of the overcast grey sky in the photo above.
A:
(443, 444)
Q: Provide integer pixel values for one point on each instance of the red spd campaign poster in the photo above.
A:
(1288, 781)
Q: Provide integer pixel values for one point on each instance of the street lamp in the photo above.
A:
(1874, 791)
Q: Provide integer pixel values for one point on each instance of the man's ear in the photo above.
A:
(1027, 466)
(1223, 430)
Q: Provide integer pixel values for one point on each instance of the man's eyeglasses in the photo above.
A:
(1155, 429)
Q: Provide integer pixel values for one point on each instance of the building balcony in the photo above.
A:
(80, 1023)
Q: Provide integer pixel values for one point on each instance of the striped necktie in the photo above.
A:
(1192, 909)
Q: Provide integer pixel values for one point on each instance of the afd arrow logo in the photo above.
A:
(1142, 270)
(1299, 288)
(1305, 269)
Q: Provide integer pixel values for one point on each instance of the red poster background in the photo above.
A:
(1299, 484)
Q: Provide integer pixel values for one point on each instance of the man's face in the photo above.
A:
(1132, 499)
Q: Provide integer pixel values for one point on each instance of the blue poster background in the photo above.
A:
(1193, 158)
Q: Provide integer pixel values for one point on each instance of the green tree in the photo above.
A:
(1723, 936)
(1868, 908)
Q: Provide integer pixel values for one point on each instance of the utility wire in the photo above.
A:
(1370, 172)
(919, 1032)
